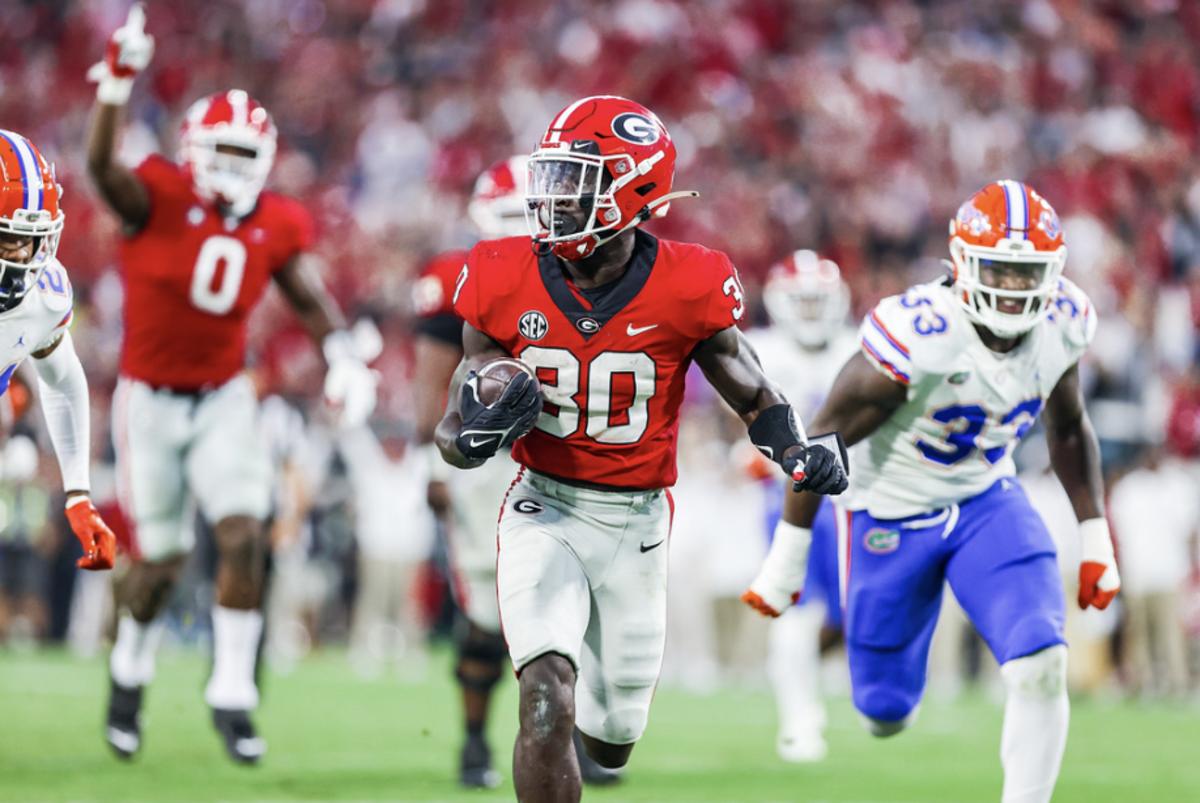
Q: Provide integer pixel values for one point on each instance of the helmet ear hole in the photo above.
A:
(645, 189)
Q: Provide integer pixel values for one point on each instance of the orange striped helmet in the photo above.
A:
(31, 219)
(1006, 244)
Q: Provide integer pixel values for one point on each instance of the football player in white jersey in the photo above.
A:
(805, 346)
(949, 377)
(35, 312)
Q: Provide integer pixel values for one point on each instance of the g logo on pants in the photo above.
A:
(528, 506)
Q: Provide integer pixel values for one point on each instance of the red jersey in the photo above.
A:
(433, 298)
(192, 279)
(612, 372)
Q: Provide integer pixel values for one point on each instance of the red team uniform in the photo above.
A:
(612, 372)
(192, 278)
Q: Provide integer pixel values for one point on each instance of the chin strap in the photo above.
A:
(643, 215)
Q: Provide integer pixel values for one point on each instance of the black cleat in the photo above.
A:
(592, 773)
(242, 742)
(123, 730)
(475, 765)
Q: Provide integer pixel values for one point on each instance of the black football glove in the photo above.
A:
(485, 429)
(816, 468)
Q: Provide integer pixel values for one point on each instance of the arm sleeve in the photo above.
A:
(64, 392)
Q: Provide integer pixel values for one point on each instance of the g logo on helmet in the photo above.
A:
(636, 128)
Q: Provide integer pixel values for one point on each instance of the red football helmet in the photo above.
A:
(228, 142)
(805, 295)
(612, 157)
(30, 218)
(497, 206)
(1006, 244)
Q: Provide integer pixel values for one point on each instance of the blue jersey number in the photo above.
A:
(926, 322)
(960, 443)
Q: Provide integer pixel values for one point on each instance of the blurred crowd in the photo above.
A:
(853, 128)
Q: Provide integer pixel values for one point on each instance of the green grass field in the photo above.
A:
(336, 737)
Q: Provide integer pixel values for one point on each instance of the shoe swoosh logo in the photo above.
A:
(645, 548)
(474, 443)
(632, 330)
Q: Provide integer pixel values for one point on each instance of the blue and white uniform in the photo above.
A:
(37, 322)
(934, 497)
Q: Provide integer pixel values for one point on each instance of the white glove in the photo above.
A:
(350, 386)
(1099, 581)
(128, 52)
(781, 577)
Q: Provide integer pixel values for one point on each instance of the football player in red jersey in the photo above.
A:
(466, 502)
(202, 241)
(609, 317)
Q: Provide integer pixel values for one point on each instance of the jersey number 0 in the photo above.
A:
(215, 251)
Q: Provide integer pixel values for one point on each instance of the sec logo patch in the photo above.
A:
(880, 541)
(533, 325)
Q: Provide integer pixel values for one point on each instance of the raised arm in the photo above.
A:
(861, 400)
(128, 53)
(1075, 455)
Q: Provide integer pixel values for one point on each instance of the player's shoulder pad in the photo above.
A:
(501, 264)
(158, 171)
(919, 331)
(434, 287)
(1072, 314)
(54, 288)
(701, 270)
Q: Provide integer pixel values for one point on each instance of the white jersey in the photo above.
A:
(967, 405)
(37, 322)
(804, 375)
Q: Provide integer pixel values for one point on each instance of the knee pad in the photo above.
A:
(883, 728)
(1041, 674)
(624, 725)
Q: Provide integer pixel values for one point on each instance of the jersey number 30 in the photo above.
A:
(630, 375)
(216, 251)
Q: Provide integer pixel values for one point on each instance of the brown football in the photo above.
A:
(495, 375)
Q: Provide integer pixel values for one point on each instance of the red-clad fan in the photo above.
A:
(609, 317)
(467, 501)
(202, 240)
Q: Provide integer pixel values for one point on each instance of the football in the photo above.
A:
(495, 375)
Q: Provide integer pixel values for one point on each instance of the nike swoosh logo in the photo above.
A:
(481, 442)
(632, 330)
(645, 548)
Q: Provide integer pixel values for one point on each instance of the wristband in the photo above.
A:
(775, 430)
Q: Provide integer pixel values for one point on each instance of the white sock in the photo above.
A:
(1036, 717)
(132, 660)
(235, 643)
(793, 665)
